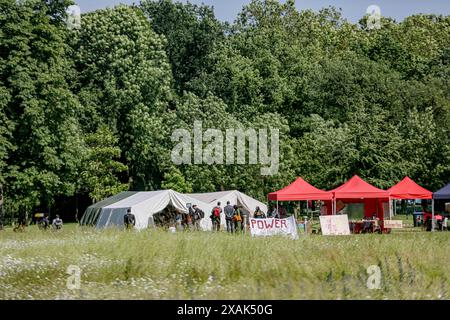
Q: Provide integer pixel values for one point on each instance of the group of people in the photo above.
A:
(42, 221)
(236, 219)
(274, 212)
(172, 219)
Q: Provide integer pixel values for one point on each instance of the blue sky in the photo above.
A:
(353, 10)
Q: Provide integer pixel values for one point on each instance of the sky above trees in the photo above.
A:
(226, 10)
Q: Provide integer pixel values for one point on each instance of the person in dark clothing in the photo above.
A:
(229, 214)
(45, 222)
(129, 220)
(196, 215)
(21, 221)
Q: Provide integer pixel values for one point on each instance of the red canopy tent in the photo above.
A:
(356, 189)
(301, 190)
(408, 189)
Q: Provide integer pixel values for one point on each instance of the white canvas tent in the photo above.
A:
(145, 204)
(235, 197)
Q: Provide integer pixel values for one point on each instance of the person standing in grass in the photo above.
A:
(237, 219)
(215, 217)
(21, 221)
(197, 215)
(129, 220)
(229, 214)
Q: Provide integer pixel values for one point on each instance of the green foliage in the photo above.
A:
(191, 31)
(101, 168)
(124, 80)
(174, 180)
(40, 111)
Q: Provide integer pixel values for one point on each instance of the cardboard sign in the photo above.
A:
(393, 224)
(334, 225)
(272, 226)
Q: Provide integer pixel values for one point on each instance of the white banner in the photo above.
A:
(393, 224)
(272, 226)
(334, 225)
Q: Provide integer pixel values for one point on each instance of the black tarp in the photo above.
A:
(442, 194)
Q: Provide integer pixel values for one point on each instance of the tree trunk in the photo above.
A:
(1, 208)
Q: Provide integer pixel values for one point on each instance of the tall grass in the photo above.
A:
(155, 264)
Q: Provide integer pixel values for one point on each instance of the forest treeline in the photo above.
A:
(90, 110)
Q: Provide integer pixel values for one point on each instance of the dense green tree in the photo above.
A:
(101, 168)
(192, 32)
(174, 179)
(124, 81)
(36, 101)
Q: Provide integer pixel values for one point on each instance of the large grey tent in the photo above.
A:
(91, 214)
(143, 205)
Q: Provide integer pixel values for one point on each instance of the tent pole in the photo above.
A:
(390, 208)
(395, 207)
(307, 207)
(278, 213)
(432, 214)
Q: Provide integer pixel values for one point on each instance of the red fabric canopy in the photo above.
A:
(408, 189)
(300, 190)
(357, 188)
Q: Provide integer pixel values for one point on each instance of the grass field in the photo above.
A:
(155, 264)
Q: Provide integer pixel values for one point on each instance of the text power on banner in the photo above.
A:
(272, 226)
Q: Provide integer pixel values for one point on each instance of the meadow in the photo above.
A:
(156, 264)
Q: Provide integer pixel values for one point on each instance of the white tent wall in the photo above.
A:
(234, 196)
(145, 204)
(113, 214)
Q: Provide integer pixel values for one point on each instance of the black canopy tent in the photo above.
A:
(441, 194)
